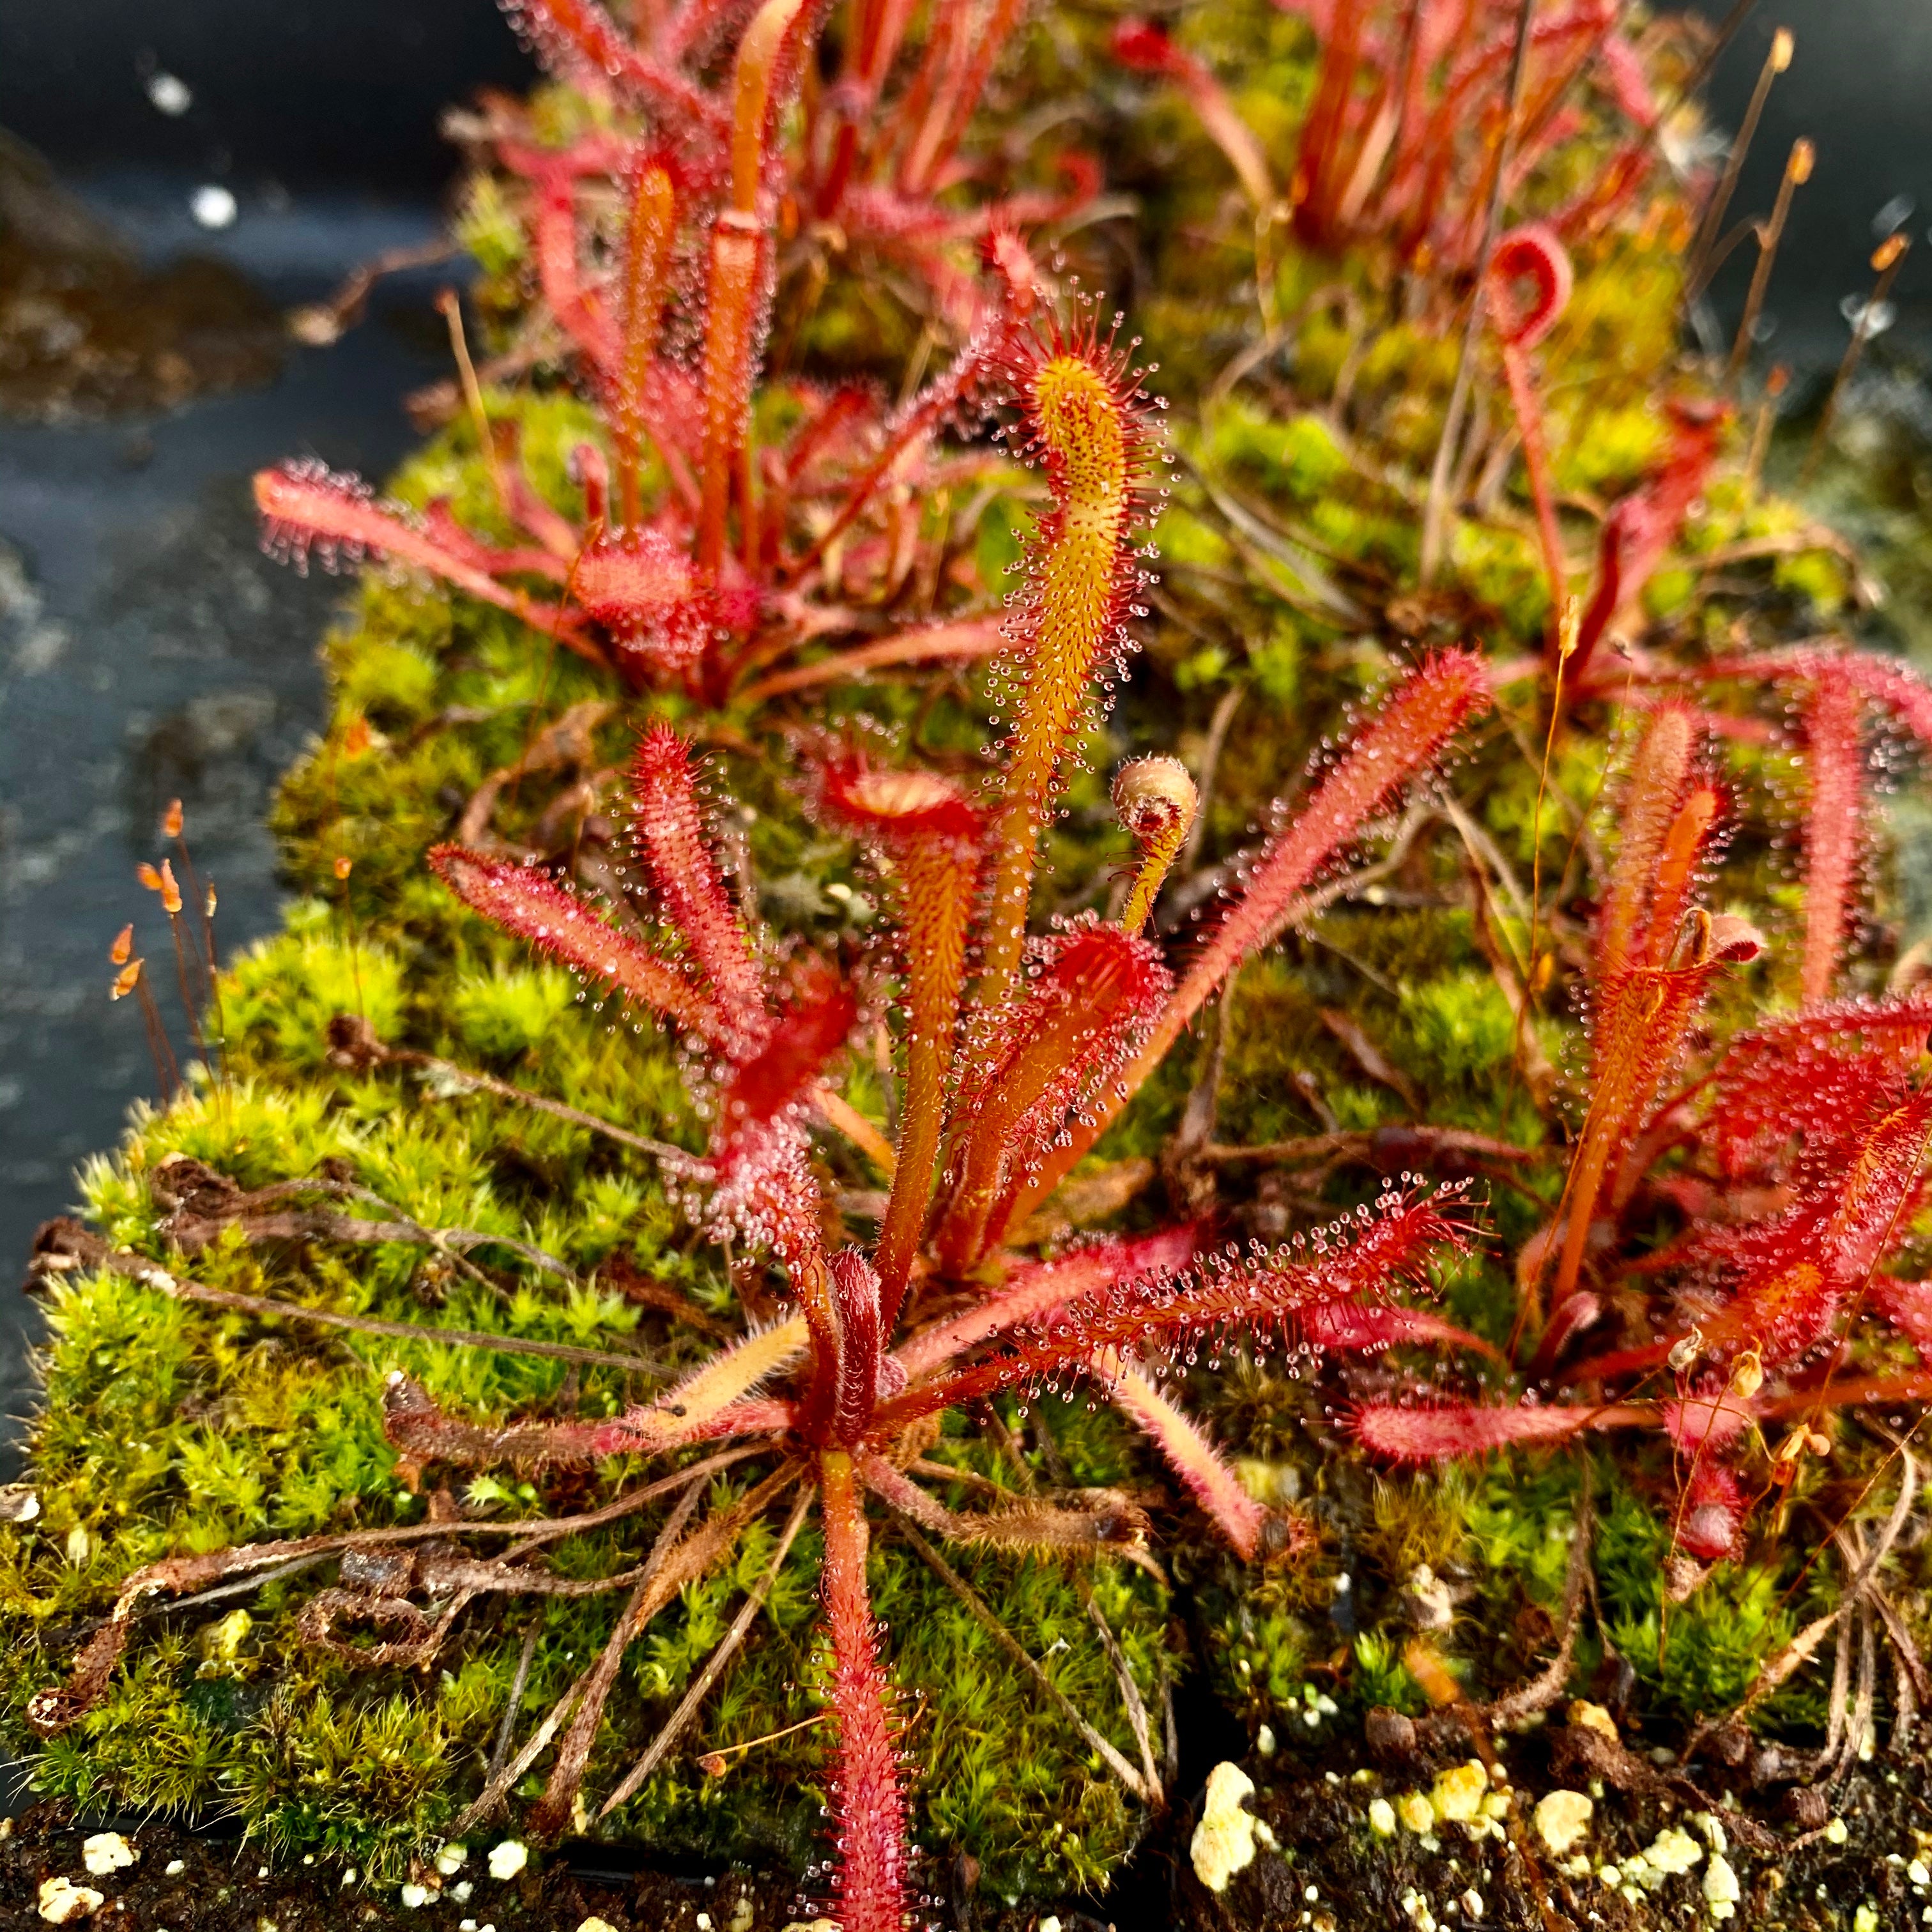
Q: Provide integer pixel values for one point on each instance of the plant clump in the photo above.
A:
(785, 1230)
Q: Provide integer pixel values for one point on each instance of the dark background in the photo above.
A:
(147, 650)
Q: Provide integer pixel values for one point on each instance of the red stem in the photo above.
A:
(869, 1805)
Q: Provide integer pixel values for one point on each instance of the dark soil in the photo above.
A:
(85, 331)
(1808, 1858)
(221, 1885)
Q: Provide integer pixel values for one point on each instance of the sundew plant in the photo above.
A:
(837, 1172)
(725, 518)
(1012, 1050)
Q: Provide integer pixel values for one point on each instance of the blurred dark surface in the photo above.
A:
(1861, 87)
(148, 650)
(317, 94)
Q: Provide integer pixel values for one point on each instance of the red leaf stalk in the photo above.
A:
(930, 834)
(648, 240)
(1083, 414)
(1405, 738)
(670, 833)
(1835, 759)
(869, 1804)
(1532, 252)
(1056, 1047)
(737, 270)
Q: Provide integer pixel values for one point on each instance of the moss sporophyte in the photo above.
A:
(628, 1221)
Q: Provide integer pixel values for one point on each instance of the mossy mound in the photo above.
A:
(1290, 544)
(170, 1428)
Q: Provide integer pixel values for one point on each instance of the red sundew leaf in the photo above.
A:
(1672, 892)
(1641, 527)
(644, 588)
(1645, 1013)
(597, 154)
(1868, 1218)
(1271, 1299)
(441, 525)
(1449, 1432)
(1406, 736)
(1188, 1452)
(1085, 416)
(769, 1090)
(1629, 84)
(1141, 45)
(1702, 1422)
(1531, 253)
(579, 312)
(847, 1389)
(1362, 1331)
(1895, 685)
(1833, 828)
(932, 833)
(1814, 1078)
(1080, 1013)
(1009, 258)
(669, 832)
(716, 1397)
(1711, 1520)
(1037, 1290)
(919, 643)
(1572, 1316)
(1789, 1277)
(303, 505)
(898, 810)
(650, 187)
(553, 919)
(1659, 773)
(577, 39)
(867, 1795)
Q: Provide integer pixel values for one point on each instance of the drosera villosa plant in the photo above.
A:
(1717, 1270)
(728, 515)
(1462, 406)
(1014, 1049)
